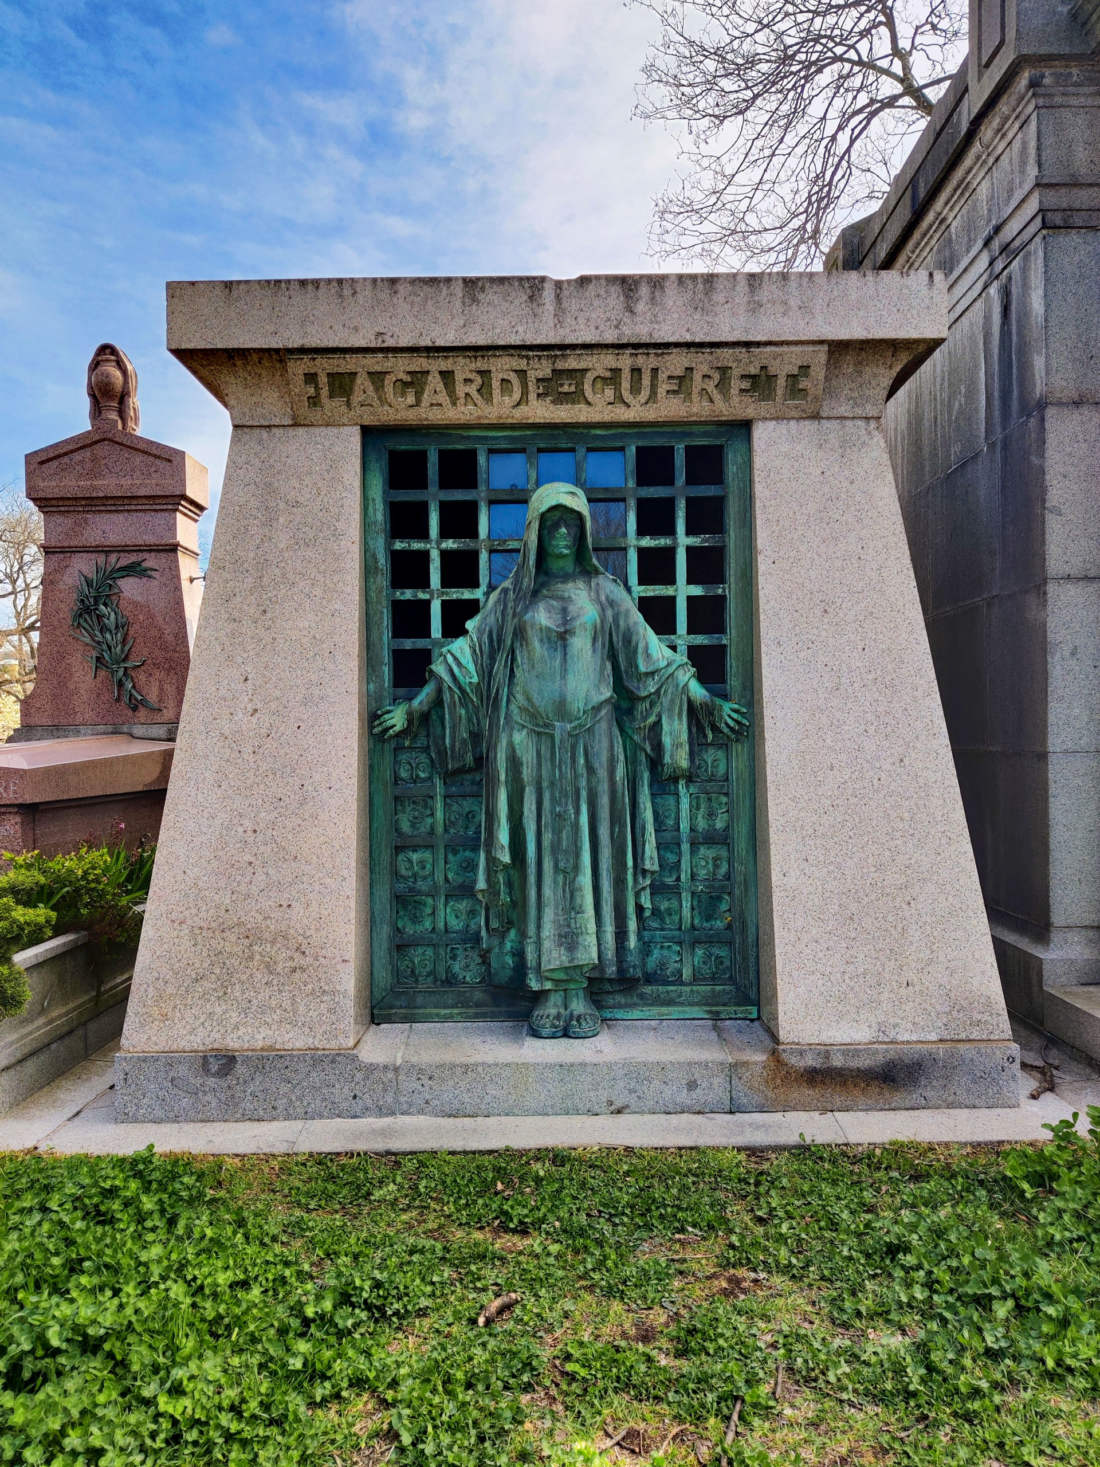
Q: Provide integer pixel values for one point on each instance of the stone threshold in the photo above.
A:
(683, 1068)
(76, 1115)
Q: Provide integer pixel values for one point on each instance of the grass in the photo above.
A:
(897, 1305)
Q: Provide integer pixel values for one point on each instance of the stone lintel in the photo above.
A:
(691, 1066)
(491, 351)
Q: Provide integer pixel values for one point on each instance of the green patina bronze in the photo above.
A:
(99, 621)
(566, 699)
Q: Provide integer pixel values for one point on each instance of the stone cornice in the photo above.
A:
(657, 348)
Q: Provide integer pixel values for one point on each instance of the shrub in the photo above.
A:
(92, 889)
(20, 926)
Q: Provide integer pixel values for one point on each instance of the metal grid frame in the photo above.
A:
(712, 911)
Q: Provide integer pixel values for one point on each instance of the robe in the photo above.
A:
(565, 693)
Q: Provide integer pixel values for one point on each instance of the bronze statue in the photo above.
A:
(112, 389)
(563, 691)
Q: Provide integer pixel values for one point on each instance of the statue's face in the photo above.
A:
(559, 531)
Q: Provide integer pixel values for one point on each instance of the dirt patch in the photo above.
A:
(645, 1331)
(733, 1284)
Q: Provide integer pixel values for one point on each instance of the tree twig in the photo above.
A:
(496, 1308)
(731, 1429)
(675, 1432)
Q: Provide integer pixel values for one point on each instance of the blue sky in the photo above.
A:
(161, 140)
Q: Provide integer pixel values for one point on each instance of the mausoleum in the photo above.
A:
(812, 933)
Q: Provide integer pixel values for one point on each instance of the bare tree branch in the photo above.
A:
(20, 591)
(795, 115)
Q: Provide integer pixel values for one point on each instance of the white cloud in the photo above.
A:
(531, 109)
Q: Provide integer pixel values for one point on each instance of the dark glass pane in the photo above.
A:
(608, 518)
(655, 465)
(453, 615)
(615, 562)
(706, 615)
(506, 521)
(659, 612)
(605, 468)
(656, 516)
(458, 568)
(408, 468)
(410, 667)
(710, 664)
(458, 519)
(705, 514)
(501, 565)
(508, 471)
(409, 570)
(411, 618)
(408, 519)
(557, 467)
(703, 463)
(458, 468)
(656, 567)
(706, 565)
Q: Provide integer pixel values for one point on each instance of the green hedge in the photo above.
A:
(93, 889)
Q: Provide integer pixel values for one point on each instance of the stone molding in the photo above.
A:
(960, 146)
(1041, 201)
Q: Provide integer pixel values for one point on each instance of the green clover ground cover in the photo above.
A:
(902, 1305)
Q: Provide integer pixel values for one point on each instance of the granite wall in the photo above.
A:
(995, 442)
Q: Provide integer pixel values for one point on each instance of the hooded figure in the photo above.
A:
(564, 694)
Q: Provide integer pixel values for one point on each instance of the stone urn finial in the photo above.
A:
(112, 390)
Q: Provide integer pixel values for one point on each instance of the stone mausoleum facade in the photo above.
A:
(815, 938)
(995, 441)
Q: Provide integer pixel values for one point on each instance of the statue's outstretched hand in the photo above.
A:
(729, 718)
(391, 721)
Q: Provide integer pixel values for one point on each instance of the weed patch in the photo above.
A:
(901, 1305)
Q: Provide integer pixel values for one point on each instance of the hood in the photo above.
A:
(553, 496)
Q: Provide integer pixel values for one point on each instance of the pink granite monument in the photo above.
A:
(120, 598)
(120, 584)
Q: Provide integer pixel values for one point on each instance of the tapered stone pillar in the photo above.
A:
(256, 922)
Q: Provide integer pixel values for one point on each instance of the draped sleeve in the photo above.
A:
(651, 683)
(465, 673)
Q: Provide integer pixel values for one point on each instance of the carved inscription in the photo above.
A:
(585, 386)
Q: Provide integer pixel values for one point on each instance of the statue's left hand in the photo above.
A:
(729, 718)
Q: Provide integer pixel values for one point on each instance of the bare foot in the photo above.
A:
(582, 1021)
(547, 1019)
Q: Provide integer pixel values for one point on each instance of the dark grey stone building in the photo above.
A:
(996, 446)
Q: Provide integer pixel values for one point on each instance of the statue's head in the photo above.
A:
(553, 509)
(112, 389)
(559, 510)
(560, 531)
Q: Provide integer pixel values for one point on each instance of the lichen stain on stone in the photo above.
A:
(881, 1081)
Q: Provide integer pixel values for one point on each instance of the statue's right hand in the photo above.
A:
(391, 721)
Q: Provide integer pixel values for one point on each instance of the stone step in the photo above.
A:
(667, 1067)
(1073, 1014)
